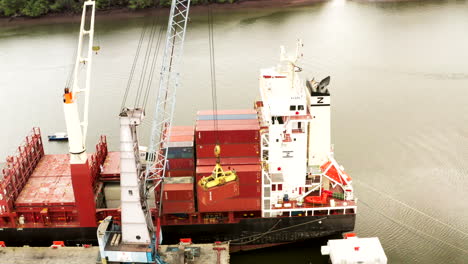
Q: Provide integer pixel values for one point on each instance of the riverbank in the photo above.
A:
(123, 13)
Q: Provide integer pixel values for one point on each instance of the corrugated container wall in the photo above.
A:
(239, 138)
(181, 152)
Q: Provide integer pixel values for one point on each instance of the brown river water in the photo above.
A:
(399, 84)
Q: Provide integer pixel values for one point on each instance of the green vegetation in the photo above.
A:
(36, 8)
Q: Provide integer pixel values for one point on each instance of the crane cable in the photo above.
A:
(153, 66)
(69, 81)
(135, 60)
(213, 78)
(146, 60)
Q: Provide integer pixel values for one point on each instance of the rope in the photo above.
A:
(412, 208)
(277, 230)
(413, 229)
(132, 71)
(262, 235)
(147, 57)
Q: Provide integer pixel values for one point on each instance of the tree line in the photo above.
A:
(36, 8)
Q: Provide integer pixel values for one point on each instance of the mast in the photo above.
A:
(77, 129)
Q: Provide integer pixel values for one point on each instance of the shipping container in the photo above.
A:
(181, 128)
(180, 173)
(178, 207)
(231, 205)
(227, 134)
(229, 150)
(250, 190)
(228, 161)
(181, 153)
(218, 193)
(228, 117)
(227, 112)
(180, 164)
(228, 122)
(181, 138)
(247, 174)
(178, 189)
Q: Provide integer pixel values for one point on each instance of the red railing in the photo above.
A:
(97, 160)
(18, 169)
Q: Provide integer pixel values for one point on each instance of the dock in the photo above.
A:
(47, 255)
(171, 254)
(195, 253)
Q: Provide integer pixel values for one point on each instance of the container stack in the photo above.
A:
(178, 195)
(181, 152)
(237, 133)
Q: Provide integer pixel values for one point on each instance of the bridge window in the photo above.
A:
(292, 107)
(300, 107)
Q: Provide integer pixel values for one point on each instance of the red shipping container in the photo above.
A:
(228, 112)
(218, 193)
(174, 164)
(250, 191)
(182, 128)
(178, 189)
(180, 173)
(183, 133)
(247, 174)
(229, 161)
(181, 138)
(227, 122)
(228, 134)
(229, 150)
(178, 207)
(232, 205)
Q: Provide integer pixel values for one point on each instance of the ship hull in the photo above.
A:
(250, 233)
(260, 232)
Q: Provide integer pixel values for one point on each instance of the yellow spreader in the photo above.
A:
(218, 176)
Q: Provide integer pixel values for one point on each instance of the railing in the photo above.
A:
(96, 161)
(18, 168)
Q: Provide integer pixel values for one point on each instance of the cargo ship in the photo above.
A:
(289, 186)
(252, 177)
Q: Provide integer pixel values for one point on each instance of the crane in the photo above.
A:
(136, 239)
(77, 129)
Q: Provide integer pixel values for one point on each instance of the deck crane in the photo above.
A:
(76, 129)
(136, 240)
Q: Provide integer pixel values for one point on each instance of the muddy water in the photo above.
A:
(399, 110)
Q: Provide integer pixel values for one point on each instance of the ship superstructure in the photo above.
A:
(295, 143)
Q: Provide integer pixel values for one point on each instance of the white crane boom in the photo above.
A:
(76, 129)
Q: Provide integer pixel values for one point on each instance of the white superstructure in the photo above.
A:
(295, 140)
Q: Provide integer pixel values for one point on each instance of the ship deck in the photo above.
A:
(49, 185)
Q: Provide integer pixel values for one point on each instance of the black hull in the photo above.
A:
(254, 231)
(258, 231)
